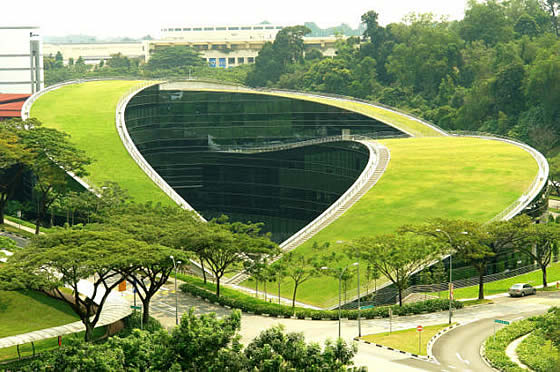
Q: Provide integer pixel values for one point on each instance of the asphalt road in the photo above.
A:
(459, 349)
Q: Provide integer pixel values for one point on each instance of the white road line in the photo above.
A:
(520, 317)
(462, 360)
(452, 367)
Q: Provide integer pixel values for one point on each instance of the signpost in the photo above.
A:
(498, 321)
(419, 329)
(390, 320)
(141, 317)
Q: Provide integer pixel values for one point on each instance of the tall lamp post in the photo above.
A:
(450, 268)
(176, 298)
(340, 273)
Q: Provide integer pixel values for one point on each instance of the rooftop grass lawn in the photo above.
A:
(27, 311)
(407, 339)
(87, 113)
(451, 177)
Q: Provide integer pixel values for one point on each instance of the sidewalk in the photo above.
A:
(116, 308)
(21, 227)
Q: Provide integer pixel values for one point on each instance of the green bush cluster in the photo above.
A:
(538, 353)
(495, 347)
(253, 305)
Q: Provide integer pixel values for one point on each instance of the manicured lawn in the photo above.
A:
(451, 177)
(26, 311)
(501, 286)
(406, 340)
(87, 112)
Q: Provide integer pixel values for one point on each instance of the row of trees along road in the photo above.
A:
(478, 244)
(47, 153)
(129, 242)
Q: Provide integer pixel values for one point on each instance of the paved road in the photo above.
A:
(376, 359)
(459, 349)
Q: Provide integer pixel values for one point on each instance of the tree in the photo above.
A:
(526, 25)
(14, 158)
(198, 342)
(157, 227)
(68, 257)
(300, 269)
(54, 157)
(487, 22)
(554, 164)
(172, 57)
(553, 8)
(273, 350)
(399, 256)
(373, 32)
(541, 244)
(222, 244)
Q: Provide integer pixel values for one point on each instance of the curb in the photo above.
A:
(436, 336)
(412, 355)
(482, 353)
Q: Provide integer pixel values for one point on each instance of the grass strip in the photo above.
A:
(408, 339)
(502, 286)
(231, 298)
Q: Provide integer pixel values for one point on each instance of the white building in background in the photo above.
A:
(229, 46)
(93, 53)
(220, 46)
(21, 60)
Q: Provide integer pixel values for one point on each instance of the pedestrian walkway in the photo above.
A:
(115, 308)
(20, 227)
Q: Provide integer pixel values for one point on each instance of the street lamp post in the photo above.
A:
(176, 298)
(450, 268)
(340, 273)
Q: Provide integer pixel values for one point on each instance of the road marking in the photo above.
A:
(520, 317)
(462, 360)
(452, 367)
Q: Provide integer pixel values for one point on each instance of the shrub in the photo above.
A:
(247, 303)
(495, 346)
(538, 353)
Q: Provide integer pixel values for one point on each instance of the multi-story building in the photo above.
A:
(228, 46)
(21, 60)
(220, 46)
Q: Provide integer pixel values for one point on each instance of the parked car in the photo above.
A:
(522, 289)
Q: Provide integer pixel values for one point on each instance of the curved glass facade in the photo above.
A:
(188, 138)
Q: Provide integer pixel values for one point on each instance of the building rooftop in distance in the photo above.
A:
(10, 105)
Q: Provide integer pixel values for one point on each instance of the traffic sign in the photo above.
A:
(501, 321)
(136, 307)
(367, 307)
(419, 328)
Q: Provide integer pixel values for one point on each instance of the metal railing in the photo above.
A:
(367, 173)
(292, 145)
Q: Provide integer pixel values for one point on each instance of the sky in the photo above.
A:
(119, 18)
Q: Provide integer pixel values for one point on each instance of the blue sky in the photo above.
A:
(141, 17)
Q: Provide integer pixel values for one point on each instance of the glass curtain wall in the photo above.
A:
(202, 144)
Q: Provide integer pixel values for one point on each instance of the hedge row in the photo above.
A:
(538, 353)
(261, 307)
(495, 347)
